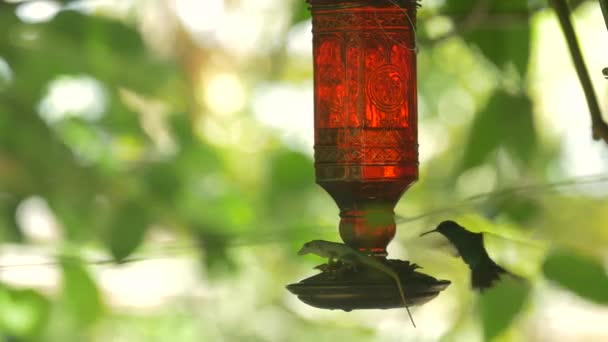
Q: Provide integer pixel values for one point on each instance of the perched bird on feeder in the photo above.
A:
(484, 271)
(342, 252)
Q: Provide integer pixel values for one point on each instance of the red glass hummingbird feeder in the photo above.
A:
(366, 142)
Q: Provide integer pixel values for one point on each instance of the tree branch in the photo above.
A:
(599, 126)
(604, 7)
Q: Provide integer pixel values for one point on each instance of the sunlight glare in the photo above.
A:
(240, 32)
(433, 140)
(200, 16)
(299, 38)
(225, 94)
(73, 96)
(38, 274)
(38, 11)
(289, 109)
(36, 220)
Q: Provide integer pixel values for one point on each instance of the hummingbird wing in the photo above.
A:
(444, 245)
(486, 275)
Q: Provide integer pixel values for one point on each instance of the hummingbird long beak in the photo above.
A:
(430, 231)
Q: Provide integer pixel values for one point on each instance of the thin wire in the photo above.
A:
(412, 25)
(409, 19)
(590, 179)
(99, 262)
(171, 250)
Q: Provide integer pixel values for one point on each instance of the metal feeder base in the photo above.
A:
(342, 287)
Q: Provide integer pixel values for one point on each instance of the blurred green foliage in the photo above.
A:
(118, 173)
(24, 312)
(80, 294)
(513, 113)
(501, 304)
(582, 275)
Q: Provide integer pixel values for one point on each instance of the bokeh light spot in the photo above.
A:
(224, 94)
(38, 11)
(73, 96)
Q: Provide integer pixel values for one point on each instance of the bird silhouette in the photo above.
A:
(484, 271)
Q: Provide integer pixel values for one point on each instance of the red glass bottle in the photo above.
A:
(366, 143)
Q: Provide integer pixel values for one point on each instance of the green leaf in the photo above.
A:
(290, 172)
(501, 304)
(23, 312)
(458, 6)
(500, 45)
(300, 11)
(73, 202)
(9, 229)
(162, 181)
(104, 48)
(193, 153)
(506, 121)
(520, 209)
(504, 45)
(127, 229)
(483, 140)
(215, 249)
(582, 275)
(519, 129)
(80, 294)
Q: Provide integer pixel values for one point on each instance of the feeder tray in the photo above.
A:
(346, 288)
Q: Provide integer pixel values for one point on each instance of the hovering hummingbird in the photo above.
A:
(484, 271)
